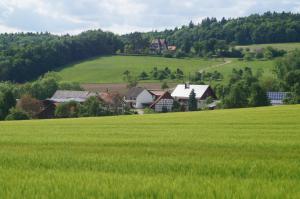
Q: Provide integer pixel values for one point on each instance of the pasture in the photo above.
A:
(242, 153)
(110, 69)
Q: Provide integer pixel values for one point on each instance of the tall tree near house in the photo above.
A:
(258, 96)
(192, 102)
(237, 97)
(7, 101)
(126, 75)
(29, 105)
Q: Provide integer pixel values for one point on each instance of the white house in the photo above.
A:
(139, 97)
(183, 91)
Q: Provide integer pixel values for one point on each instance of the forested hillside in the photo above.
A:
(26, 56)
(212, 34)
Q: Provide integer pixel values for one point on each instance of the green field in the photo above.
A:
(242, 153)
(283, 46)
(111, 69)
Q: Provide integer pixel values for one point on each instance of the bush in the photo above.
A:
(67, 110)
(168, 55)
(180, 54)
(30, 105)
(149, 111)
(16, 114)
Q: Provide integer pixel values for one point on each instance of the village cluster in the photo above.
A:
(139, 99)
(136, 98)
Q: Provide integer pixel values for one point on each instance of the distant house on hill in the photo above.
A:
(183, 91)
(163, 102)
(138, 97)
(158, 45)
(172, 48)
(62, 96)
(276, 98)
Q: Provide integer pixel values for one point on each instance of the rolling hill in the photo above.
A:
(242, 153)
(110, 69)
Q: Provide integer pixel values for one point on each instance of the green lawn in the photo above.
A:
(110, 69)
(284, 46)
(242, 153)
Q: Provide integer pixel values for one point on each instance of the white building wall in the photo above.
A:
(143, 98)
(168, 103)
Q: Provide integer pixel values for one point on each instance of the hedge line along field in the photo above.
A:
(110, 69)
(242, 153)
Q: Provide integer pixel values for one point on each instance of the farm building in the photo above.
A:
(62, 96)
(158, 45)
(183, 91)
(172, 48)
(138, 97)
(276, 98)
(163, 102)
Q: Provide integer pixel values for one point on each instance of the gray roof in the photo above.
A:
(134, 92)
(67, 96)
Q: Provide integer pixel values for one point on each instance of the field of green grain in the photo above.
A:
(111, 69)
(284, 46)
(242, 153)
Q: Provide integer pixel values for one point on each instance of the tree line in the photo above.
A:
(219, 36)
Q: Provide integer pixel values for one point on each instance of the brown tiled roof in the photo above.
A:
(166, 95)
(108, 97)
(157, 93)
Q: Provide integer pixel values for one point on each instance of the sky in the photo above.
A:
(124, 16)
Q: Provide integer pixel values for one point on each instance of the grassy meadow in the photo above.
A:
(283, 46)
(110, 69)
(242, 153)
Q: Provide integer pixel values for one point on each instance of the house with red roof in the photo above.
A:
(163, 101)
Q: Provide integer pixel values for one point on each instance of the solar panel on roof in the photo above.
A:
(276, 95)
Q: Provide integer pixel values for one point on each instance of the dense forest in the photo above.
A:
(26, 56)
(212, 34)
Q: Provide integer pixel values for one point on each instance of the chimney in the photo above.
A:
(187, 85)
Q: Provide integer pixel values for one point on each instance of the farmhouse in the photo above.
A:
(158, 45)
(62, 96)
(172, 48)
(138, 97)
(276, 98)
(163, 103)
(183, 91)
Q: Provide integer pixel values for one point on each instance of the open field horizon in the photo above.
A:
(238, 153)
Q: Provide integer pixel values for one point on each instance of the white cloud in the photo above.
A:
(122, 16)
